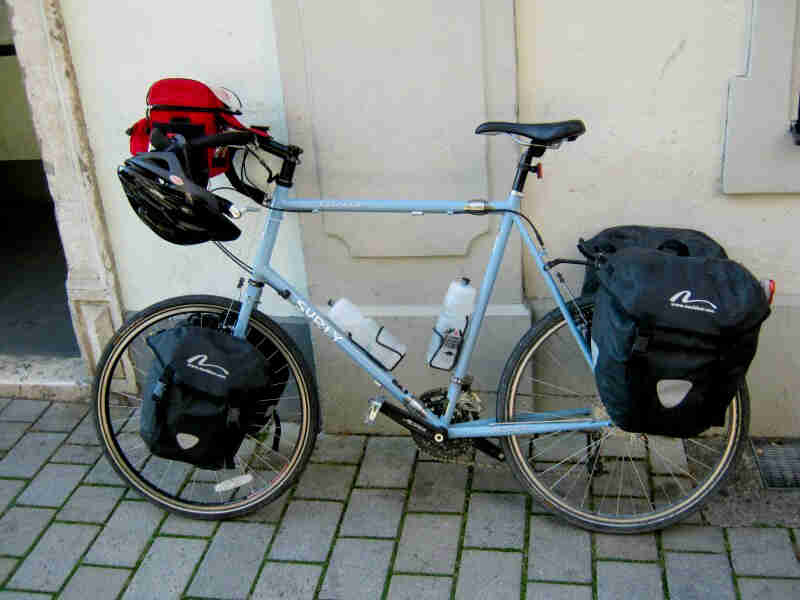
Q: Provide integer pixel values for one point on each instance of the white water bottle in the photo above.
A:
(448, 334)
(374, 339)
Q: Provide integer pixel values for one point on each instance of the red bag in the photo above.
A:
(192, 109)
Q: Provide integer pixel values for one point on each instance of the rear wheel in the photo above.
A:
(268, 461)
(605, 480)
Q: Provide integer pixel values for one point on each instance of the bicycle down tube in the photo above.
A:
(264, 274)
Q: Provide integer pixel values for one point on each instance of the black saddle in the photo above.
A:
(540, 134)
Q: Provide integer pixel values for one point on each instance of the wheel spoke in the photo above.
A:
(177, 485)
(606, 481)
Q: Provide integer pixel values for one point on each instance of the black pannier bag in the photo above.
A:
(672, 338)
(206, 390)
(682, 242)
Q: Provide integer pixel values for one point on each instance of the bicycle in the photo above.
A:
(553, 430)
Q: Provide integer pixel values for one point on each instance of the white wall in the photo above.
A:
(651, 80)
(118, 49)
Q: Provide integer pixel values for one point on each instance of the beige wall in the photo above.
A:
(119, 49)
(388, 111)
(651, 82)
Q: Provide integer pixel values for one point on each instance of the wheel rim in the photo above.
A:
(261, 471)
(609, 478)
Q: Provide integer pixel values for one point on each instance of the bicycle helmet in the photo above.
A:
(174, 207)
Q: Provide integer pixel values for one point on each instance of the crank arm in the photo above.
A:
(488, 447)
(413, 423)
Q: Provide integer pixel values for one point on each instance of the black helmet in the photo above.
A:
(173, 206)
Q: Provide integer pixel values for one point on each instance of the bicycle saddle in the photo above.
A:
(540, 134)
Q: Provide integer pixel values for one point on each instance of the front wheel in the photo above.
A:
(267, 462)
(605, 480)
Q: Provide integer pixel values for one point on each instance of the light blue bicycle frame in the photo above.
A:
(532, 423)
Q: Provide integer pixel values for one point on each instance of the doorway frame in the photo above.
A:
(50, 81)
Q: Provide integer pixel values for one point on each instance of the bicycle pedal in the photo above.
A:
(373, 408)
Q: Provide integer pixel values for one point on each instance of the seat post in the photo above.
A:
(524, 166)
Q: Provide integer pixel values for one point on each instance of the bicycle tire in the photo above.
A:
(572, 473)
(182, 488)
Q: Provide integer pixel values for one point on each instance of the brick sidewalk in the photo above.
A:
(370, 519)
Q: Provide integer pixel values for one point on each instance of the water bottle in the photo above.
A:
(448, 334)
(367, 333)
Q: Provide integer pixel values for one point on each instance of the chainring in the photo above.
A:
(435, 400)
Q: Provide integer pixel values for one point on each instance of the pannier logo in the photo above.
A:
(684, 300)
(200, 363)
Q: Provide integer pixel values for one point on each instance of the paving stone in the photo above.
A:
(428, 544)
(84, 455)
(496, 521)
(416, 587)
(768, 589)
(667, 455)
(338, 448)
(271, 513)
(633, 477)
(548, 591)
(693, 538)
(54, 556)
(231, 564)
(61, 416)
(91, 504)
(558, 552)
(628, 580)
(95, 582)
(169, 474)
(281, 581)
(8, 595)
(8, 489)
(306, 531)
(496, 480)
(24, 410)
(166, 569)
(373, 513)
(568, 447)
(103, 473)
(387, 462)
(667, 489)
(761, 551)
(325, 482)
(20, 527)
(630, 446)
(357, 569)
(489, 575)
(85, 433)
(438, 487)
(699, 576)
(53, 485)
(177, 525)
(10, 432)
(6, 566)
(3, 403)
(30, 453)
(629, 547)
(125, 535)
